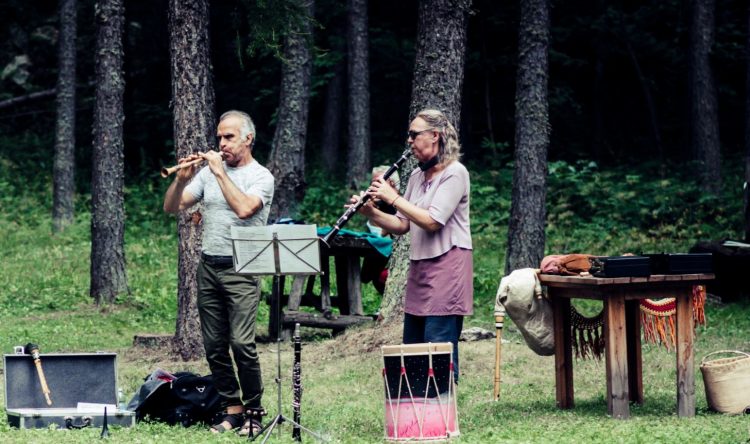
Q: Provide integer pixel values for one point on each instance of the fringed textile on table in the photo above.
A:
(586, 334)
(658, 317)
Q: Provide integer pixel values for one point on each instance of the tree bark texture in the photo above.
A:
(287, 161)
(330, 144)
(438, 83)
(746, 193)
(650, 104)
(108, 277)
(527, 211)
(63, 205)
(704, 119)
(194, 126)
(358, 158)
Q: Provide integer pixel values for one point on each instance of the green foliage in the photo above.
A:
(272, 20)
(646, 209)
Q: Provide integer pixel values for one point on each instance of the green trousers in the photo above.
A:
(227, 305)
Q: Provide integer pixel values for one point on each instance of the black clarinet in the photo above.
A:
(354, 208)
(297, 383)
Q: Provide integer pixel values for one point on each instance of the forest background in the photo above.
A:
(623, 175)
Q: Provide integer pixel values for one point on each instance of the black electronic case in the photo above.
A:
(681, 263)
(621, 266)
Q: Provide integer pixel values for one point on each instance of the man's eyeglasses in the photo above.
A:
(413, 134)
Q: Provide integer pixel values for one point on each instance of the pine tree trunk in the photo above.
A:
(332, 118)
(704, 120)
(527, 211)
(63, 205)
(441, 30)
(747, 129)
(108, 277)
(287, 161)
(358, 159)
(194, 130)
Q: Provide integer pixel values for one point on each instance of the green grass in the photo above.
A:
(44, 282)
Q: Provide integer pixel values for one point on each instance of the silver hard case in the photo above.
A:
(72, 378)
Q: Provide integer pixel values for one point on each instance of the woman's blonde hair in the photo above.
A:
(450, 148)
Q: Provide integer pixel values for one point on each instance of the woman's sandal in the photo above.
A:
(233, 419)
(252, 425)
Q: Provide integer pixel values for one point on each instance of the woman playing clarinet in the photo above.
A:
(435, 209)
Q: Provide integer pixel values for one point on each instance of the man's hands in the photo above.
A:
(214, 159)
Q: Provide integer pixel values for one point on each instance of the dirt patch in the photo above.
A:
(360, 340)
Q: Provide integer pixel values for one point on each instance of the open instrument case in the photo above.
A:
(80, 385)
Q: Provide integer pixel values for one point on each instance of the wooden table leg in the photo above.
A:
(342, 283)
(635, 362)
(685, 355)
(354, 286)
(325, 285)
(563, 351)
(616, 356)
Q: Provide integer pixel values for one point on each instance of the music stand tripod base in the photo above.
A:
(277, 250)
(280, 418)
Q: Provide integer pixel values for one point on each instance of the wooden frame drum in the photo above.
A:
(420, 392)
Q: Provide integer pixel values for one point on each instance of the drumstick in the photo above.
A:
(499, 318)
(33, 350)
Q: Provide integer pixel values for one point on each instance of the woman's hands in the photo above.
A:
(381, 189)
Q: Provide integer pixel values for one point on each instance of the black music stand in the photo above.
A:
(277, 250)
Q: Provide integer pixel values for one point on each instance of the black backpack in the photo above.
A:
(187, 400)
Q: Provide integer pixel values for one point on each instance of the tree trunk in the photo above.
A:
(63, 205)
(108, 277)
(441, 30)
(747, 130)
(650, 104)
(332, 118)
(527, 211)
(287, 161)
(358, 159)
(598, 138)
(704, 120)
(194, 127)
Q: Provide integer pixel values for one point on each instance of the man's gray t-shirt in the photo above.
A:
(218, 216)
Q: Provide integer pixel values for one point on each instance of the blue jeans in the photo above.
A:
(421, 329)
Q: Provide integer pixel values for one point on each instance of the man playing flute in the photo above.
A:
(236, 191)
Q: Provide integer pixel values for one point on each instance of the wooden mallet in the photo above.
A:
(33, 350)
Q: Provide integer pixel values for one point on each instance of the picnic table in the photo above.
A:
(622, 333)
(348, 250)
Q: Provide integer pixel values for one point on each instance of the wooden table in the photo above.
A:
(622, 333)
(347, 253)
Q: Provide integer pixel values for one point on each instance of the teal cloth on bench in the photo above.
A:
(384, 245)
